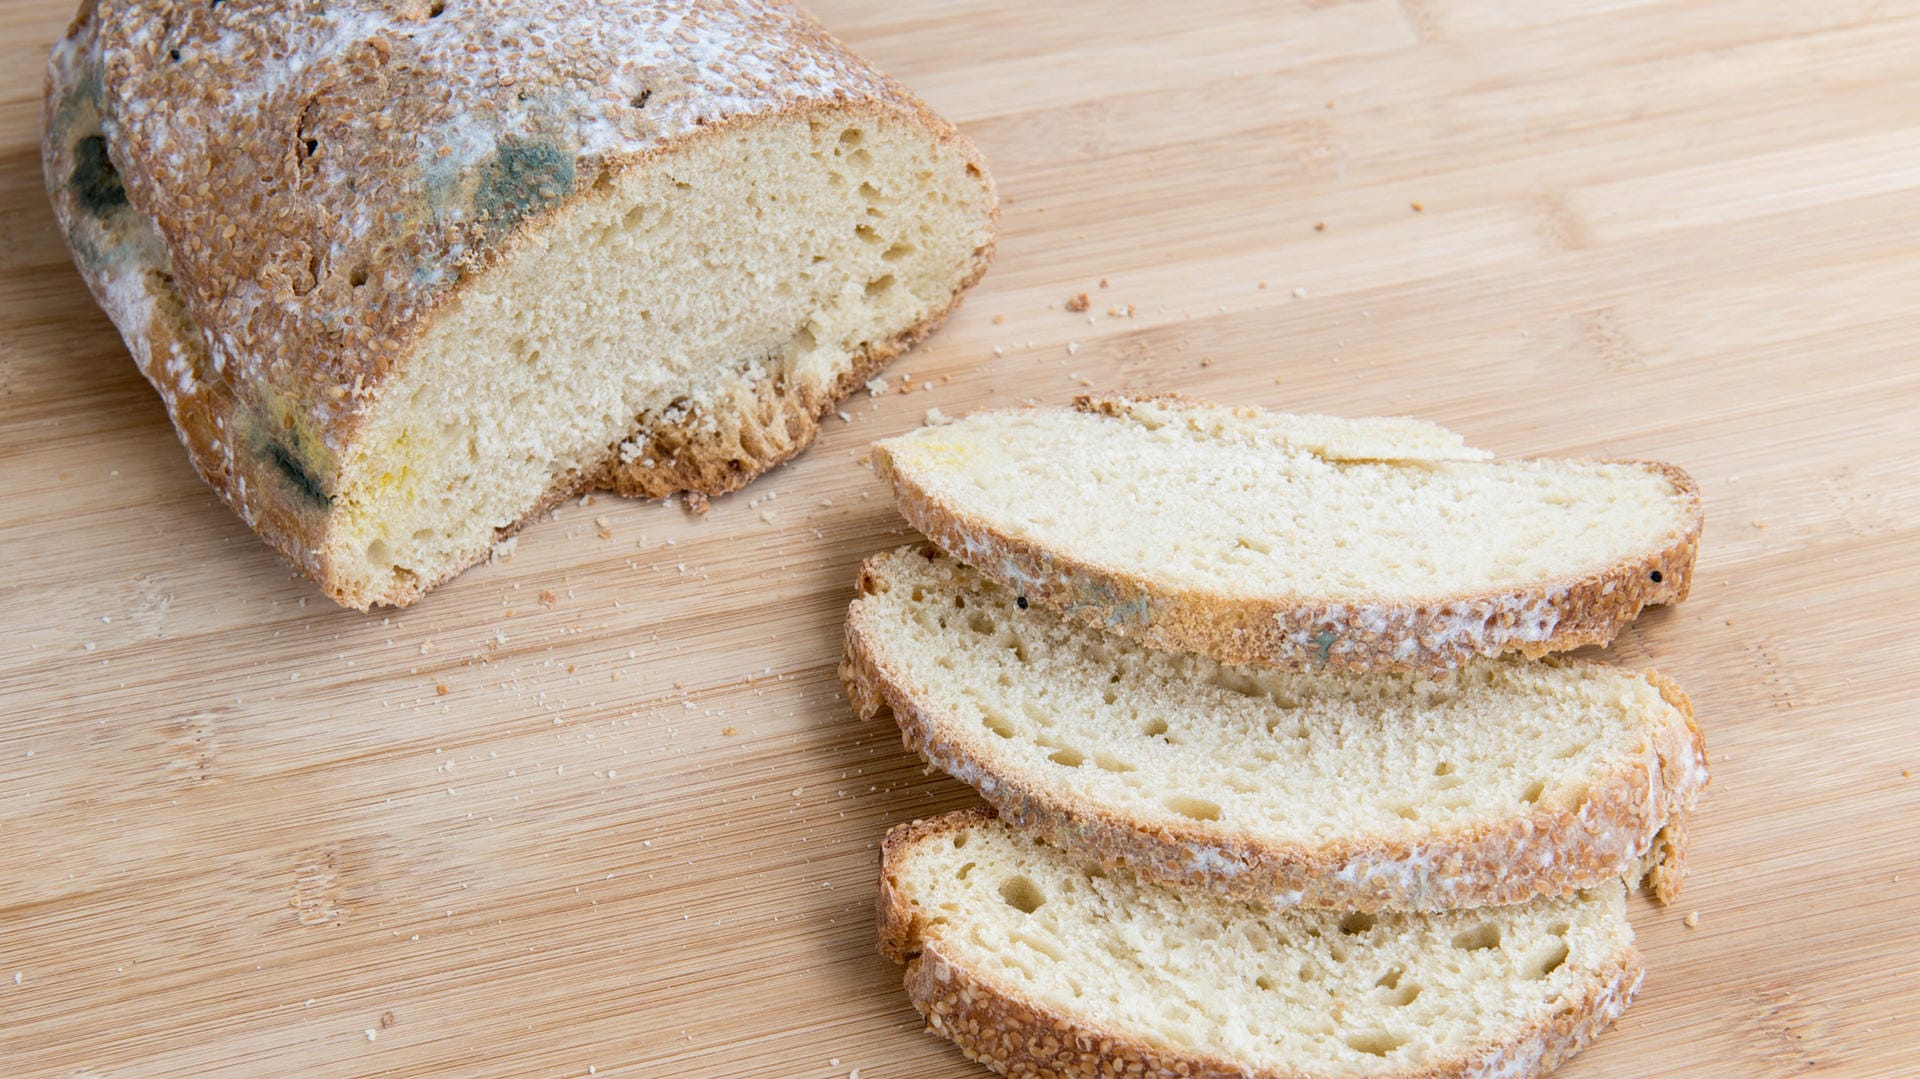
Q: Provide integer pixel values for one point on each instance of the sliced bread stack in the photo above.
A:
(1283, 786)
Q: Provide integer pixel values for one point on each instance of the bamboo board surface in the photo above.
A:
(602, 809)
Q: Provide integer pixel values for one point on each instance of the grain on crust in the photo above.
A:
(1633, 823)
(999, 1026)
(1431, 635)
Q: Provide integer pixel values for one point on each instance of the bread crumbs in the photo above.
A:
(1078, 303)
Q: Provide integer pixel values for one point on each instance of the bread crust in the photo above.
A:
(275, 241)
(1350, 635)
(997, 1025)
(1632, 823)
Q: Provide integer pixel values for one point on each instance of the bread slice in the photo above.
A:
(1297, 541)
(1036, 961)
(406, 274)
(1505, 779)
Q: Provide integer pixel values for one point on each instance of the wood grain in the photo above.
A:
(603, 808)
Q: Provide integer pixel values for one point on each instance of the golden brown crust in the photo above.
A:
(270, 292)
(1009, 1032)
(1432, 636)
(1631, 823)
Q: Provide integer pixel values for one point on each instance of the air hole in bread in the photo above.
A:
(1252, 544)
(1022, 894)
(852, 137)
(997, 722)
(1406, 813)
(1549, 962)
(1443, 769)
(981, 622)
(1194, 808)
(898, 251)
(965, 871)
(1534, 791)
(1263, 982)
(1479, 938)
(640, 99)
(1155, 728)
(358, 277)
(1067, 757)
(1235, 682)
(1357, 922)
(1108, 763)
(1375, 1043)
(1391, 979)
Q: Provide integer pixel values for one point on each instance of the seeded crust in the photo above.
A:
(178, 153)
(1632, 823)
(1591, 609)
(997, 1025)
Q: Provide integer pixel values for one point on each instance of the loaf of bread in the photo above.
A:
(1297, 541)
(1038, 962)
(405, 272)
(1503, 780)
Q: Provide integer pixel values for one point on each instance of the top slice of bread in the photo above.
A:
(1037, 962)
(1297, 541)
(1502, 780)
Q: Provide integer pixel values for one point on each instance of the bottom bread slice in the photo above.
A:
(1037, 962)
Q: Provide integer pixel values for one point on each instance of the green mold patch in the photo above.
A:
(94, 181)
(522, 178)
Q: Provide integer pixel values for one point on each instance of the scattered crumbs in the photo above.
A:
(17, 976)
(999, 351)
(998, 319)
(842, 413)
(854, 1074)
(603, 528)
(1078, 303)
(426, 647)
(1262, 284)
(1417, 208)
(1299, 293)
(1692, 919)
(1103, 282)
(1319, 226)
(796, 791)
(88, 645)
(1073, 348)
(386, 1020)
(833, 1062)
(937, 418)
(1120, 311)
(876, 386)
(697, 503)
(370, 1033)
(1906, 773)
(547, 598)
(729, 731)
(440, 688)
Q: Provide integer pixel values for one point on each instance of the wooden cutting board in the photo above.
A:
(602, 810)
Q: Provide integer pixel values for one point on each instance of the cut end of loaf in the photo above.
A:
(681, 327)
(1033, 959)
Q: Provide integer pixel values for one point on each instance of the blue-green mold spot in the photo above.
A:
(523, 177)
